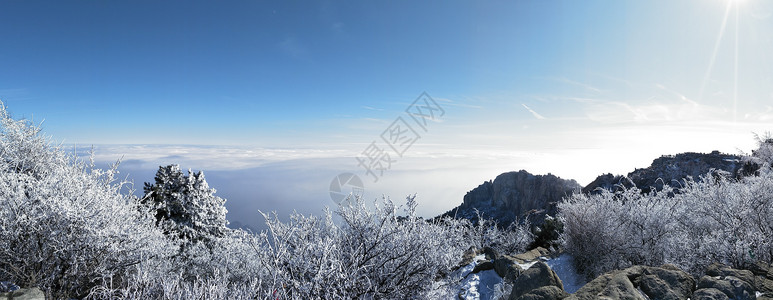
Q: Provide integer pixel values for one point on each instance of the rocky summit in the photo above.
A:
(515, 196)
(672, 170)
(518, 196)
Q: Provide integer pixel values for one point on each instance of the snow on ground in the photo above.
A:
(487, 285)
(480, 286)
(527, 265)
(564, 268)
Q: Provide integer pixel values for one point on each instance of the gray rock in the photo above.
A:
(756, 277)
(764, 285)
(733, 287)
(507, 268)
(639, 282)
(515, 195)
(761, 268)
(467, 257)
(673, 169)
(484, 266)
(720, 270)
(709, 294)
(666, 283)
(532, 255)
(24, 294)
(550, 292)
(490, 253)
(539, 275)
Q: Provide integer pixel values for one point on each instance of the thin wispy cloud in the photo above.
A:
(533, 113)
(449, 102)
(585, 86)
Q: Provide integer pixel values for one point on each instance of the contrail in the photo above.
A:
(534, 113)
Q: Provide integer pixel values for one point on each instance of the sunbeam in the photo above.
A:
(714, 53)
(735, 66)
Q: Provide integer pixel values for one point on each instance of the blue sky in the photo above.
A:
(576, 88)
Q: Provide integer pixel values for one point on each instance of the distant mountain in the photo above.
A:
(521, 195)
(672, 170)
(515, 196)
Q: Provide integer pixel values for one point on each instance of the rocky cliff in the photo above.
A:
(521, 195)
(672, 170)
(515, 196)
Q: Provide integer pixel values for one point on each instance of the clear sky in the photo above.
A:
(576, 88)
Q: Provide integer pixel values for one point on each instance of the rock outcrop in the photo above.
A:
(672, 170)
(538, 282)
(515, 196)
(639, 282)
(736, 284)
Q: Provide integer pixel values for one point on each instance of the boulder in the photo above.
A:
(538, 276)
(490, 253)
(532, 255)
(484, 266)
(24, 294)
(550, 292)
(608, 286)
(756, 277)
(639, 282)
(709, 294)
(721, 270)
(507, 267)
(732, 286)
(468, 257)
(666, 282)
(761, 268)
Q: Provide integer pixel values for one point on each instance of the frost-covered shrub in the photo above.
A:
(372, 253)
(713, 219)
(484, 232)
(70, 229)
(65, 226)
(230, 270)
(608, 231)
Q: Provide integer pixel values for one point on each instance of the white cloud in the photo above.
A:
(534, 113)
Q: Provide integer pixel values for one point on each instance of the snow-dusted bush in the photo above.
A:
(609, 231)
(514, 239)
(372, 253)
(355, 252)
(714, 219)
(72, 229)
(65, 226)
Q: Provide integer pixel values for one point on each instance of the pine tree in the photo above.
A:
(185, 205)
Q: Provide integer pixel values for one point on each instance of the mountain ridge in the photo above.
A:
(519, 196)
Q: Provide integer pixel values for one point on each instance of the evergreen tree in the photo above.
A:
(185, 205)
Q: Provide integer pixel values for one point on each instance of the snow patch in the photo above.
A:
(480, 286)
(564, 268)
(526, 265)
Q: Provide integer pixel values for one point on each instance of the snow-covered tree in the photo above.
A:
(185, 205)
(65, 226)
